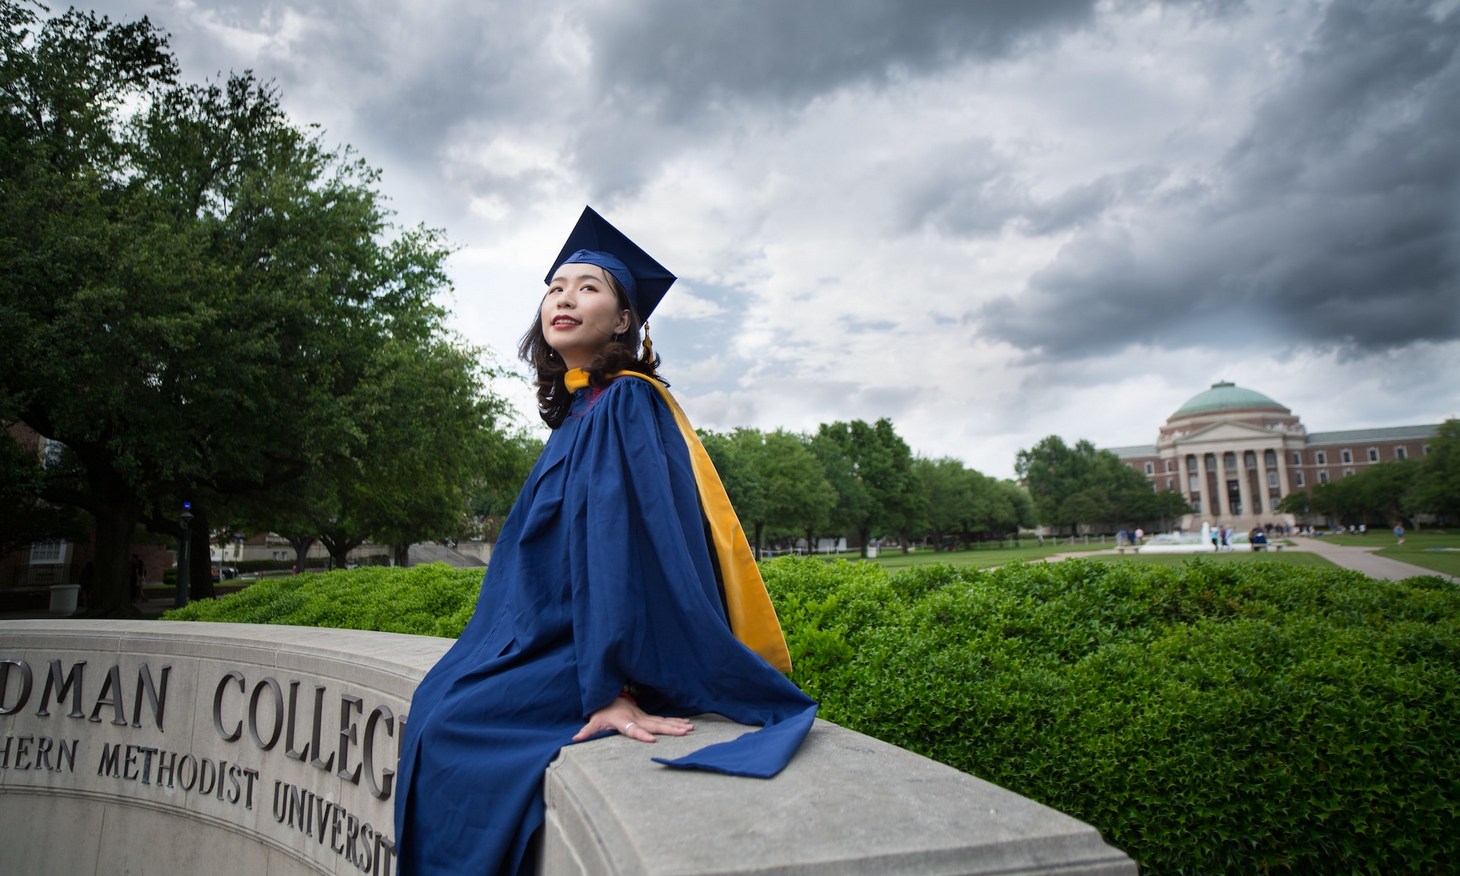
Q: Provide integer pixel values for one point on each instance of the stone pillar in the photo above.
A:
(1282, 467)
(1201, 485)
(1243, 492)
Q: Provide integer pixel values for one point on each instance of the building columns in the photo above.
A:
(1243, 496)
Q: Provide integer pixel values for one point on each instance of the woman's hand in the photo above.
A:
(629, 720)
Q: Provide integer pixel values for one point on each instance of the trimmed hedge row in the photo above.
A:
(1207, 718)
(429, 600)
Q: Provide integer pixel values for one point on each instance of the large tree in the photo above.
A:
(881, 462)
(1379, 494)
(774, 480)
(430, 435)
(195, 288)
(1079, 485)
(963, 504)
(1437, 487)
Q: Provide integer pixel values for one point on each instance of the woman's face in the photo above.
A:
(580, 313)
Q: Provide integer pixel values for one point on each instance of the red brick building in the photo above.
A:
(1234, 454)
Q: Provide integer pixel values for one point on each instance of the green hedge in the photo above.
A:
(429, 600)
(1212, 718)
(1209, 718)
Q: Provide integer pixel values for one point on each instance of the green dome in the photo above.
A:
(1226, 397)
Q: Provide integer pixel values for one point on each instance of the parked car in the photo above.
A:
(221, 572)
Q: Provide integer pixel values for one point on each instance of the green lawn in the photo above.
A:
(1285, 558)
(1436, 549)
(980, 558)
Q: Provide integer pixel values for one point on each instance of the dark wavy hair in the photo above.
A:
(622, 353)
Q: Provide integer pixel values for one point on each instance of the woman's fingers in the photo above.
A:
(629, 720)
(656, 725)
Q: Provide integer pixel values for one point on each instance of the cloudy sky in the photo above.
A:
(988, 221)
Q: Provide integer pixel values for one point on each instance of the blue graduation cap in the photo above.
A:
(595, 242)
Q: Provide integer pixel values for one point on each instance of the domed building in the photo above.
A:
(1234, 454)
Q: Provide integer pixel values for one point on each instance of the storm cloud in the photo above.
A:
(990, 221)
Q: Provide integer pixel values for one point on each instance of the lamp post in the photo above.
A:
(186, 519)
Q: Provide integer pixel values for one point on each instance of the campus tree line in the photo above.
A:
(859, 479)
(1392, 492)
(202, 302)
(1079, 485)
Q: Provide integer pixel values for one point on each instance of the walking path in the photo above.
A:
(1362, 559)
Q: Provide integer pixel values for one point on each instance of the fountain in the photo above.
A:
(1190, 542)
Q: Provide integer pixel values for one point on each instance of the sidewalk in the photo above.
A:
(1362, 559)
(151, 609)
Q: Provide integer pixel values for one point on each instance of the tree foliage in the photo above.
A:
(774, 481)
(1378, 494)
(881, 463)
(1436, 489)
(204, 302)
(1081, 485)
(964, 505)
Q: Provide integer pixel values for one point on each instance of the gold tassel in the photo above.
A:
(648, 344)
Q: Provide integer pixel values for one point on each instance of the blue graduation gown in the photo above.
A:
(601, 576)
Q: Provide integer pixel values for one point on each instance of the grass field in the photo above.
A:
(1437, 549)
(1284, 558)
(982, 558)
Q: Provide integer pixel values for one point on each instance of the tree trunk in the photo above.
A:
(301, 545)
(340, 550)
(865, 535)
(200, 560)
(111, 595)
(401, 554)
(758, 527)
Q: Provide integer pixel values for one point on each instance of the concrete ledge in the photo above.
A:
(847, 804)
(145, 746)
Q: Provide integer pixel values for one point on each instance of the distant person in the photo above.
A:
(87, 581)
(1399, 533)
(139, 579)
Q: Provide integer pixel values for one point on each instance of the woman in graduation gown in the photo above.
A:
(621, 596)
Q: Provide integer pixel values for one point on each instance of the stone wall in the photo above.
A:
(152, 747)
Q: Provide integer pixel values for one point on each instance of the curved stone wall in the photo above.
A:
(152, 747)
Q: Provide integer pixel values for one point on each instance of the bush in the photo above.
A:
(429, 600)
(1207, 718)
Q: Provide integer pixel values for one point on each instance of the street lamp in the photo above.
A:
(186, 519)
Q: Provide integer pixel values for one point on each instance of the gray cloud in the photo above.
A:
(685, 57)
(1168, 194)
(1332, 223)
